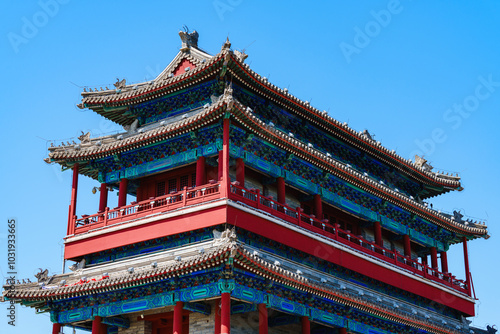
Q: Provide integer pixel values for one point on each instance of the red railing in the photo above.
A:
(297, 217)
(159, 204)
(199, 195)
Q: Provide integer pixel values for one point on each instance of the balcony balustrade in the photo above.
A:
(253, 198)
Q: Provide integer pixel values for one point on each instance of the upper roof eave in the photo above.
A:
(163, 85)
(67, 155)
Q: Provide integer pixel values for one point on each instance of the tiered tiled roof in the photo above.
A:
(114, 105)
(212, 254)
(111, 145)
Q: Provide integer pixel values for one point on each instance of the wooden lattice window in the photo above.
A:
(160, 188)
(172, 185)
(184, 181)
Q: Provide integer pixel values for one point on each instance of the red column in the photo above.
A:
(217, 316)
(178, 317)
(342, 330)
(444, 262)
(56, 328)
(318, 207)
(103, 197)
(221, 158)
(263, 319)
(407, 245)
(434, 258)
(122, 193)
(200, 172)
(225, 156)
(96, 325)
(466, 262)
(74, 191)
(280, 184)
(377, 230)
(225, 313)
(306, 325)
(240, 171)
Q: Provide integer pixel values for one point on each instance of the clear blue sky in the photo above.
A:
(420, 75)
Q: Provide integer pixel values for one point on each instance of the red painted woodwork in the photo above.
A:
(280, 185)
(122, 193)
(225, 158)
(377, 231)
(56, 328)
(306, 325)
(103, 197)
(220, 165)
(164, 183)
(225, 310)
(350, 261)
(444, 262)
(200, 172)
(96, 325)
(434, 259)
(466, 262)
(318, 207)
(342, 330)
(407, 245)
(178, 317)
(222, 214)
(181, 68)
(240, 171)
(130, 235)
(263, 319)
(217, 316)
(72, 205)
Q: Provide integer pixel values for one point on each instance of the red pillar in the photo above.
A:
(280, 184)
(318, 207)
(56, 328)
(444, 262)
(96, 325)
(74, 189)
(103, 197)
(342, 330)
(407, 245)
(225, 156)
(377, 230)
(225, 313)
(200, 172)
(240, 171)
(434, 258)
(466, 262)
(263, 319)
(122, 193)
(221, 158)
(306, 325)
(178, 317)
(217, 316)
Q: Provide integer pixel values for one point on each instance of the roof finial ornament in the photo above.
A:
(188, 39)
(119, 84)
(422, 163)
(85, 137)
(226, 45)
